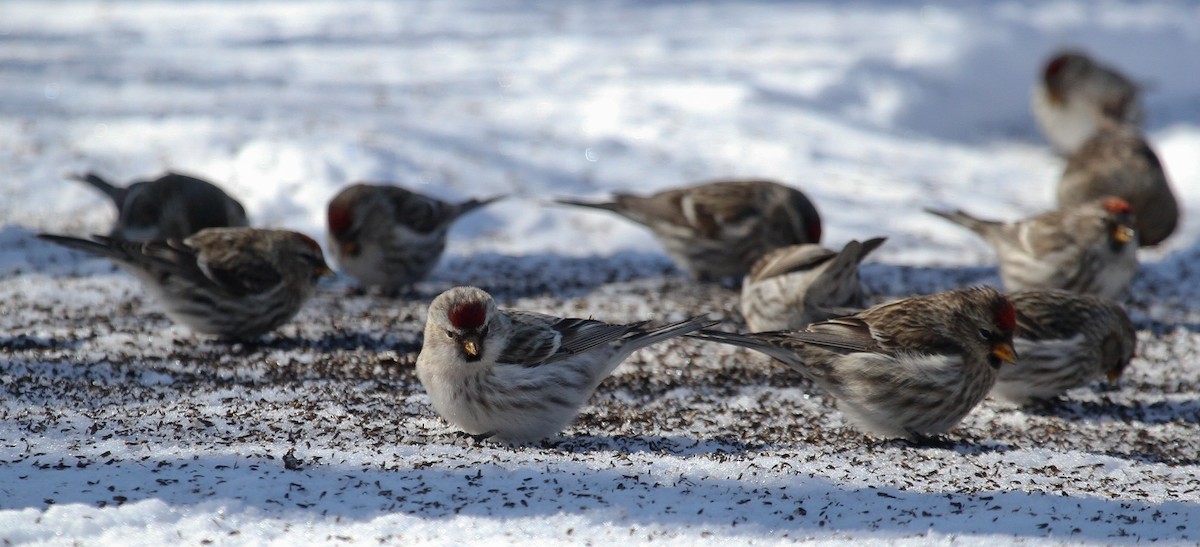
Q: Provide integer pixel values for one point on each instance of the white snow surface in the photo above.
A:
(117, 427)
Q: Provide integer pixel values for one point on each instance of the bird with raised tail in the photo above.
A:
(172, 206)
(1089, 248)
(717, 230)
(520, 376)
(793, 286)
(909, 368)
(391, 237)
(230, 282)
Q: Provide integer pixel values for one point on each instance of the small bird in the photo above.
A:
(793, 286)
(229, 282)
(1075, 94)
(519, 376)
(1065, 341)
(909, 368)
(1117, 161)
(388, 236)
(716, 230)
(1089, 248)
(173, 206)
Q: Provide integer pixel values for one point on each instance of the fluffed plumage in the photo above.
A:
(793, 286)
(173, 206)
(717, 230)
(908, 368)
(1089, 248)
(520, 376)
(1065, 340)
(389, 236)
(231, 282)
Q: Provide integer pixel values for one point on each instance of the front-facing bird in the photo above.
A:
(908, 368)
(520, 376)
(388, 236)
(717, 230)
(1075, 95)
(230, 282)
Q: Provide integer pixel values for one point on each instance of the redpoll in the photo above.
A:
(1075, 94)
(232, 282)
(1117, 161)
(520, 376)
(1065, 341)
(793, 286)
(388, 236)
(1088, 248)
(172, 206)
(717, 230)
(908, 368)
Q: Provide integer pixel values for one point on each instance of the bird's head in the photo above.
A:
(463, 317)
(343, 217)
(1119, 221)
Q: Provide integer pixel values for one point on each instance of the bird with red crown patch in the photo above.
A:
(516, 375)
(388, 236)
(1087, 249)
(909, 368)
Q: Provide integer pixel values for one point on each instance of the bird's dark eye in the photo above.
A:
(483, 332)
(985, 334)
(450, 334)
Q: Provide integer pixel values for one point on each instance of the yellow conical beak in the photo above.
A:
(1004, 351)
(1123, 234)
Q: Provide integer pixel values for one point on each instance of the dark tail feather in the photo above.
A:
(471, 205)
(961, 218)
(117, 194)
(751, 341)
(98, 245)
(671, 330)
(869, 246)
(605, 206)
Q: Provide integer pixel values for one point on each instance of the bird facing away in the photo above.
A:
(1117, 161)
(716, 230)
(1065, 340)
(1089, 248)
(388, 236)
(793, 286)
(173, 206)
(1075, 94)
(520, 376)
(908, 368)
(229, 282)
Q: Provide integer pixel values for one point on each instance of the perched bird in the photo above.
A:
(388, 236)
(716, 230)
(231, 282)
(1117, 161)
(1065, 340)
(1075, 93)
(172, 206)
(908, 368)
(520, 376)
(793, 286)
(1089, 248)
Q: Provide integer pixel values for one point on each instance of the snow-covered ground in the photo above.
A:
(118, 427)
